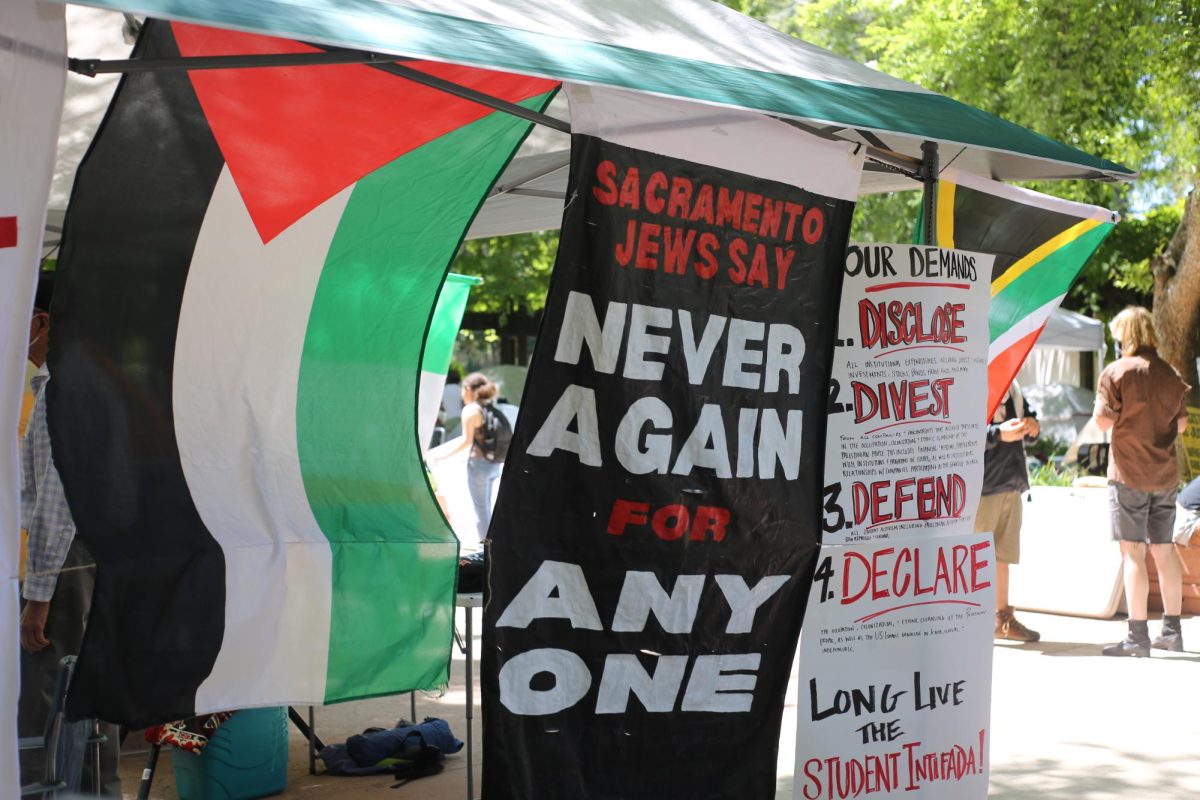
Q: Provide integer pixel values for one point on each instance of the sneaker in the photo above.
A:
(1009, 627)
(1136, 643)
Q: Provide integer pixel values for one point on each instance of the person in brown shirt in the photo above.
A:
(1142, 400)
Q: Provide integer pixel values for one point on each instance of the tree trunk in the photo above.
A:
(1177, 324)
(1177, 292)
(1177, 298)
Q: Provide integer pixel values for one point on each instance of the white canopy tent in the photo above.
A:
(1069, 343)
(1070, 330)
(1058, 378)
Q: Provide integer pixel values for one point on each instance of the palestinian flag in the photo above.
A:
(250, 262)
(1040, 243)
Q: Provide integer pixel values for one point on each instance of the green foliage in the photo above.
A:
(886, 217)
(1045, 448)
(515, 270)
(1047, 475)
(1113, 78)
(1119, 273)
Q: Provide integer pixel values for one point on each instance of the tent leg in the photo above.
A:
(148, 772)
(929, 176)
(308, 730)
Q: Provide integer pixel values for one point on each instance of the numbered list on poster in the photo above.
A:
(904, 449)
(895, 680)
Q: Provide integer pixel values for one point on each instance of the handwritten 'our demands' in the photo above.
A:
(674, 232)
(888, 326)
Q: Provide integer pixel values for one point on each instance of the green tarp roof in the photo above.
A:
(692, 49)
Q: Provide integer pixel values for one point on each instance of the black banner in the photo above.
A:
(657, 525)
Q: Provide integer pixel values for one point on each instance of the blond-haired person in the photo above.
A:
(1142, 400)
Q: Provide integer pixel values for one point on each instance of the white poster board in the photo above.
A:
(894, 696)
(908, 393)
(33, 69)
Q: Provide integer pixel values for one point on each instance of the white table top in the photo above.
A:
(470, 600)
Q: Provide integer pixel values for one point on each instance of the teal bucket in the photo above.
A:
(246, 758)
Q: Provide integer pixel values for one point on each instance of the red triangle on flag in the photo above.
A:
(295, 136)
(1005, 366)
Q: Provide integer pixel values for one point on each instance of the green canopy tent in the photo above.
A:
(690, 49)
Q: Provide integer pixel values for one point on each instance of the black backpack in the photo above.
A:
(495, 434)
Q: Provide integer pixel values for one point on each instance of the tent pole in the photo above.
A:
(467, 93)
(929, 176)
(905, 165)
(92, 67)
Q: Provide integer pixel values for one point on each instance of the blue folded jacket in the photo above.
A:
(362, 754)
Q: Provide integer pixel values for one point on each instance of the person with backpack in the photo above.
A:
(487, 433)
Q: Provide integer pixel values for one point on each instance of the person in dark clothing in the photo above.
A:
(1005, 478)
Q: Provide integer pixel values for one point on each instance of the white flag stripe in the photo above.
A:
(33, 71)
(1028, 197)
(429, 402)
(242, 330)
(726, 138)
(1023, 327)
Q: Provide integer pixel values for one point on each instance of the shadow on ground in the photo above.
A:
(1086, 650)
(1050, 779)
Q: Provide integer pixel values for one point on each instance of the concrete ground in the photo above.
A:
(1059, 729)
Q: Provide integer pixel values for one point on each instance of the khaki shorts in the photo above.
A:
(1001, 514)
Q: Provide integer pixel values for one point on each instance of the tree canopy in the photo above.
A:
(515, 271)
(1114, 78)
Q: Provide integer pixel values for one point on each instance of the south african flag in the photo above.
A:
(1040, 243)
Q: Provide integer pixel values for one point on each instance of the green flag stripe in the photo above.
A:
(394, 558)
(1044, 281)
(447, 317)
(439, 349)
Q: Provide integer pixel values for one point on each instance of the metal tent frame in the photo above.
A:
(879, 158)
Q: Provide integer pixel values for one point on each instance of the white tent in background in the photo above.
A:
(1070, 342)
(1059, 376)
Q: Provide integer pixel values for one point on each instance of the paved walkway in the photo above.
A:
(1057, 729)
